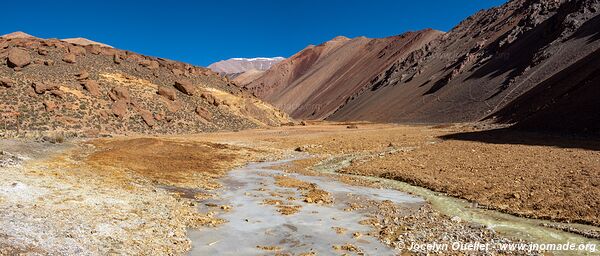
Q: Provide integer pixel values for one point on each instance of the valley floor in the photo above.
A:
(143, 195)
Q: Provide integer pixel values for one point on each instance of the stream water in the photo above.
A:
(531, 230)
(252, 224)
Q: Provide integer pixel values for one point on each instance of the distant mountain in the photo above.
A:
(83, 41)
(240, 65)
(17, 34)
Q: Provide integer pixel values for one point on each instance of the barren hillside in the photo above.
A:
(537, 51)
(55, 86)
(313, 83)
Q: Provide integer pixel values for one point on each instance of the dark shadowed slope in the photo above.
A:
(534, 48)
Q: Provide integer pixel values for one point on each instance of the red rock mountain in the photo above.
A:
(315, 82)
(531, 62)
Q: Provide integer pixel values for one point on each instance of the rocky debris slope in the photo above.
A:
(316, 81)
(55, 86)
(528, 61)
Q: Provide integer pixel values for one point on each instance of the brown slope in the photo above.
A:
(483, 64)
(315, 82)
(53, 86)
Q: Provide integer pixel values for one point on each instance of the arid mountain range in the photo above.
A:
(244, 70)
(531, 62)
(49, 85)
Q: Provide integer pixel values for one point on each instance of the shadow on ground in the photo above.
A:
(512, 136)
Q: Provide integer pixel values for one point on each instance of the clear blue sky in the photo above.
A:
(202, 32)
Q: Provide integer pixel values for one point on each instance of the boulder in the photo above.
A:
(185, 86)
(203, 113)
(94, 49)
(6, 83)
(150, 64)
(177, 72)
(119, 108)
(43, 51)
(210, 99)
(82, 75)
(41, 88)
(49, 105)
(57, 93)
(119, 93)
(92, 87)
(167, 93)
(117, 59)
(18, 58)
(147, 117)
(69, 58)
(77, 50)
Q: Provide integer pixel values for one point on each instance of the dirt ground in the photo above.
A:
(134, 195)
(533, 175)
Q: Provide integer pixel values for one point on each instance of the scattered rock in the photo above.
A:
(41, 88)
(69, 58)
(43, 51)
(18, 58)
(185, 86)
(147, 117)
(352, 126)
(82, 75)
(92, 87)
(6, 83)
(49, 105)
(204, 113)
(119, 108)
(177, 72)
(116, 59)
(167, 93)
(57, 93)
(48, 62)
(119, 93)
(150, 64)
(76, 50)
(456, 219)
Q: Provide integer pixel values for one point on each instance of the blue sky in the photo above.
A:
(202, 32)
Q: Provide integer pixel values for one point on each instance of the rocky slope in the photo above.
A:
(55, 86)
(313, 83)
(532, 62)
